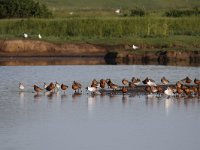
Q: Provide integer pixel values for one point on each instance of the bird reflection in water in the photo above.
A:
(91, 101)
(37, 97)
(50, 96)
(124, 99)
(63, 97)
(151, 99)
(76, 96)
(21, 94)
(168, 104)
(113, 97)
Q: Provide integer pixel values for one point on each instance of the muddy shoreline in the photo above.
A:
(25, 51)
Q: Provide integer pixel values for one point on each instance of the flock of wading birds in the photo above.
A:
(184, 87)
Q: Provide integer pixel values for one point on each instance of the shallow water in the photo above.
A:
(82, 122)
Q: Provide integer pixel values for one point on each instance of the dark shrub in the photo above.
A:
(23, 9)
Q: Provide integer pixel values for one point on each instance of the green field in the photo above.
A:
(62, 8)
(95, 21)
(113, 4)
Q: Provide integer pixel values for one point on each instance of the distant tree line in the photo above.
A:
(23, 9)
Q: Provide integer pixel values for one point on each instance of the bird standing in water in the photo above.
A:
(64, 87)
(21, 86)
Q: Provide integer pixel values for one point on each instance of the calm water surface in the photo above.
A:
(83, 122)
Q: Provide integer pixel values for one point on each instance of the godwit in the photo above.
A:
(164, 80)
(125, 82)
(196, 81)
(37, 89)
(64, 87)
(102, 83)
(187, 80)
(76, 86)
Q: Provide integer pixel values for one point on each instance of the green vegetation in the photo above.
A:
(150, 24)
(23, 9)
(123, 4)
(156, 31)
(182, 13)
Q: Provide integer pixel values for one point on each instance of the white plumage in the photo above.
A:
(21, 86)
(169, 92)
(39, 36)
(118, 11)
(150, 83)
(25, 35)
(92, 89)
(135, 47)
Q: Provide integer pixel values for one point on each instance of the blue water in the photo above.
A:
(103, 122)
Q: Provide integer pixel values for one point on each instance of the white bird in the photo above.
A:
(91, 89)
(118, 11)
(57, 85)
(21, 86)
(39, 36)
(71, 13)
(45, 85)
(169, 92)
(151, 83)
(135, 47)
(25, 35)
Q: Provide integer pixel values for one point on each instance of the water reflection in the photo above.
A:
(21, 96)
(125, 99)
(76, 96)
(37, 97)
(45, 61)
(91, 101)
(168, 104)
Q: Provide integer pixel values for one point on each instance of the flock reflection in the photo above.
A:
(93, 100)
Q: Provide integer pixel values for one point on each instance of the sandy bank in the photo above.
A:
(35, 48)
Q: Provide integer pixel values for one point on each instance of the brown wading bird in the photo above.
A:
(124, 90)
(131, 85)
(164, 80)
(154, 89)
(50, 87)
(179, 91)
(187, 91)
(148, 89)
(64, 87)
(114, 86)
(179, 84)
(102, 83)
(108, 81)
(94, 83)
(133, 79)
(159, 90)
(187, 80)
(136, 82)
(196, 81)
(76, 86)
(37, 89)
(125, 82)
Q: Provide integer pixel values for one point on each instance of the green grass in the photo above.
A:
(148, 32)
(62, 8)
(109, 4)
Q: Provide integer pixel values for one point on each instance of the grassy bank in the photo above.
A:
(148, 32)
